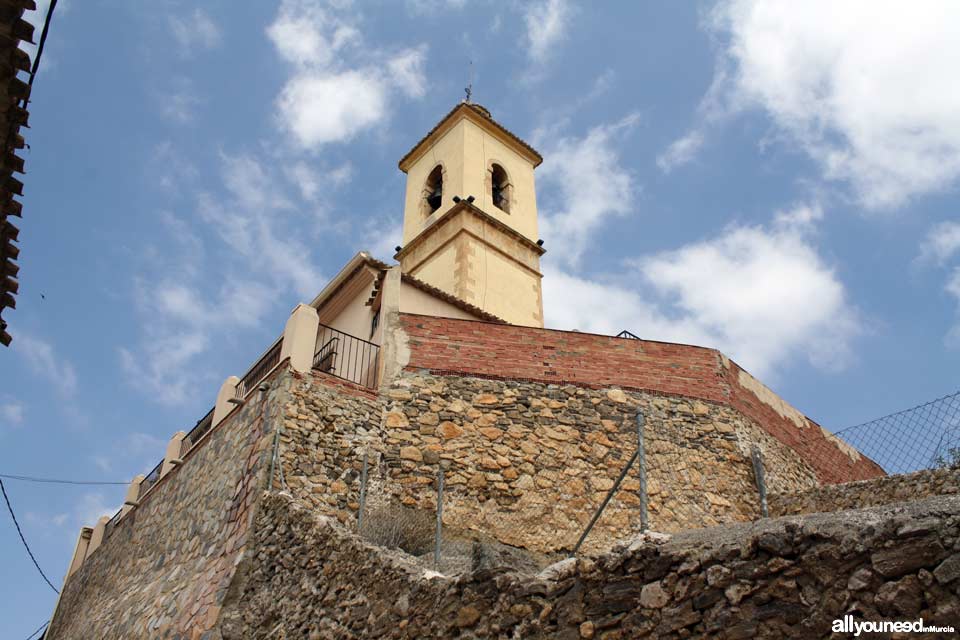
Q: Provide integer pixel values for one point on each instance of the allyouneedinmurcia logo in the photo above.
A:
(848, 625)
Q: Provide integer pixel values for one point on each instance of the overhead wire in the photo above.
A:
(59, 480)
(6, 498)
(43, 41)
(39, 629)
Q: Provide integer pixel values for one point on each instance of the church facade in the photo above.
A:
(439, 365)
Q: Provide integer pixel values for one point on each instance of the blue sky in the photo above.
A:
(776, 181)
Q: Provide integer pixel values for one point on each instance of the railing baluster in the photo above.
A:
(345, 356)
(259, 370)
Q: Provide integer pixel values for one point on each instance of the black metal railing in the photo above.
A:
(151, 479)
(195, 434)
(199, 430)
(260, 370)
(627, 334)
(345, 356)
(108, 529)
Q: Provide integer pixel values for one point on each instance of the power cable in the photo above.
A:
(43, 40)
(24, 540)
(58, 480)
(39, 629)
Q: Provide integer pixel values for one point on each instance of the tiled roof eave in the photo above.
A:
(14, 93)
(485, 115)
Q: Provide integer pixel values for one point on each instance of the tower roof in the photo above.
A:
(480, 115)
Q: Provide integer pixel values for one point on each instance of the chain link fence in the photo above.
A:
(923, 437)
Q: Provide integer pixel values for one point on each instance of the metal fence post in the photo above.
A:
(363, 494)
(603, 505)
(641, 455)
(757, 459)
(439, 534)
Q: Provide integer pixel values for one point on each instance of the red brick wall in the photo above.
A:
(832, 464)
(544, 355)
(466, 347)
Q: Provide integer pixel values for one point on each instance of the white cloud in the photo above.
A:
(180, 325)
(172, 171)
(681, 151)
(801, 217)
(941, 247)
(306, 34)
(383, 237)
(547, 22)
(953, 284)
(195, 31)
(320, 107)
(180, 101)
(266, 256)
(953, 288)
(159, 367)
(406, 72)
(180, 302)
(865, 88)
(340, 85)
(430, 7)
(586, 186)
(761, 294)
(942, 243)
(131, 453)
(312, 183)
(104, 463)
(11, 412)
(600, 306)
(91, 507)
(84, 512)
(45, 362)
(264, 241)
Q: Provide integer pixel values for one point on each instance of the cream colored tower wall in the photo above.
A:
(501, 287)
(485, 149)
(476, 251)
(440, 269)
(447, 152)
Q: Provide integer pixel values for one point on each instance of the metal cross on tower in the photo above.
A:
(469, 88)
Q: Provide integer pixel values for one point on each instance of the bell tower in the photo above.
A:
(470, 215)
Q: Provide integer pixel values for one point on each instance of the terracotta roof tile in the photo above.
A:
(13, 115)
(482, 111)
(452, 299)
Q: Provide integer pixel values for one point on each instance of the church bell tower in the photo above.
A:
(470, 215)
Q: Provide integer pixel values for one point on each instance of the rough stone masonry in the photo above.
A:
(212, 553)
(527, 463)
(306, 576)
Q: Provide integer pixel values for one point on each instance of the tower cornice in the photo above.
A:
(464, 206)
(482, 118)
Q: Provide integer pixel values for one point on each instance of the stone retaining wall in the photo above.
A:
(327, 426)
(479, 349)
(867, 493)
(163, 571)
(308, 577)
(527, 463)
